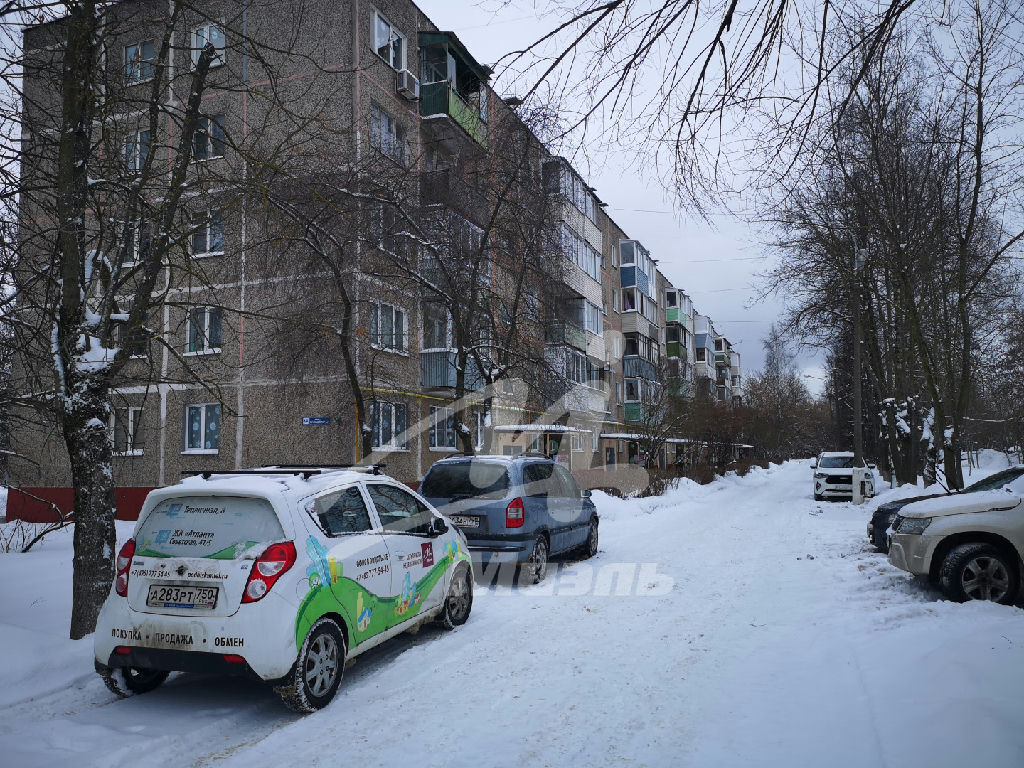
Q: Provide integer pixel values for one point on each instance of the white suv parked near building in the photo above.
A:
(279, 574)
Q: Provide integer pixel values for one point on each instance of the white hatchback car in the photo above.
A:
(278, 574)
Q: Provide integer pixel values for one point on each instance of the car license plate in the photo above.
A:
(464, 521)
(170, 596)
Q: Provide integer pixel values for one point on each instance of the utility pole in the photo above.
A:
(858, 410)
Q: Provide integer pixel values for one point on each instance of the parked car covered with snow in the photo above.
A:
(517, 510)
(883, 517)
(279, 574)
(835, 473)
(971, 544)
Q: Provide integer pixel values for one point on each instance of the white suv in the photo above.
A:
(280, 574)
(835, 473)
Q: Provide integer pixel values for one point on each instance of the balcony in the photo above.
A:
(567, 333)
(437, 371)
(672, 315)
(445, 188)
(636, 366)
(440, 99)
(635, 412)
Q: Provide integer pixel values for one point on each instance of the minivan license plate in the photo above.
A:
(464, 521)
(169, 596)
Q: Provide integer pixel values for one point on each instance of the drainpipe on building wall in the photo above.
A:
(240, 401)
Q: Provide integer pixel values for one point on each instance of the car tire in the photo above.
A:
(979, 572)
(879, 539)
(590, 545)
(318, 669)
(459, 601)
(536, 567)
(128, 681)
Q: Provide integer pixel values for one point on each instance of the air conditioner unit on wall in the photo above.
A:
(408, 85)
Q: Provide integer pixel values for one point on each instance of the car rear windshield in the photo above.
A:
(466, 479)
(217, 527)
(836, 462)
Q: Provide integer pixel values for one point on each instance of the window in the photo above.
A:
(538, 481)
(139, 245)
(389, 420)
(341, 512)
(670, 299)
(124, 430)
(388, 327)
(629, 300)
(388, 42)
(399, 511)
(208, 141)
(581, 370)
(204, 330)
(580, 252)
(435, 326)
(136, 342)
(136, 150)
(632, 390)
(388, 135)
(567, 482)
(208, 236)
(442, 427)
(139, 62)
(577, 442)
(479, 429)
(592, 318)
(615, 300)
(701, 352)
(202, 428)
(672, 334)
(208, 34)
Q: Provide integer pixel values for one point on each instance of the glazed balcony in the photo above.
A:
(440, 99)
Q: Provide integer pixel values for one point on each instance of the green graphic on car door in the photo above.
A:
(365, 613)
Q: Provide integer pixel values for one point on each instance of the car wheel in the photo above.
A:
(979, 572)
(536, 567)
(125, 681)
(459, 601)
(318, 670)
(881, 541)
(590, 547)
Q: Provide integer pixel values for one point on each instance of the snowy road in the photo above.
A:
(783, 641)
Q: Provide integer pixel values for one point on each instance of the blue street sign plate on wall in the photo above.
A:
(316, 421)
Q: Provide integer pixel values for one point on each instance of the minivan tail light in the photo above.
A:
(268, 568)
(123, 564)
(514, 514)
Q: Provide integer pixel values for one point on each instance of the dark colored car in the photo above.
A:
(886, 513)
(518, 510)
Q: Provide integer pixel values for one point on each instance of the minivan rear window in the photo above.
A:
(217, 527)
(466, 479)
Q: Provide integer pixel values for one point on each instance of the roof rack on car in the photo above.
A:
(306, 471)
(535, 453)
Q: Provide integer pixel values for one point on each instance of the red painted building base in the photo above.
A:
(33, 505)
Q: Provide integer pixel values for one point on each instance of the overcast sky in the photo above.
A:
(716, 263)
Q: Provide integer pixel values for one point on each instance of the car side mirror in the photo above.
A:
(437, 526)
(585, 493)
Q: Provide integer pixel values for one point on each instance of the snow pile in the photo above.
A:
(3, 503)
(779, 638)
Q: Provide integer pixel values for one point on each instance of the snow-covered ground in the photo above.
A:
(746, 625)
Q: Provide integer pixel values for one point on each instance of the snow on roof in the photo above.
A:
(962, 503)
(270, 484)
(541, 428)
(840, 454)
(489, 457)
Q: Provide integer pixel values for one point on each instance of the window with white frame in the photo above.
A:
(670, 299)
(595, 440)
(615, 299)
(136, 341)
(388, 327)
(701, 352)
(139, 62)
(435, 326)
(388, 42)
(208, 234)
(208, 141)
(388, 135)
(140, 242)
(580, 252)
(136, 150)
(579, 369)
(577, 442)
(442, 427)
(124, 430)
(389, 424)
(592, 318)
(202, 427)
(204, 335)
(208, 34)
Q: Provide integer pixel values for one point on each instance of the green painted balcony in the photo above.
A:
(567, 333)
(672, 315)
(441, 99)
(672, 348)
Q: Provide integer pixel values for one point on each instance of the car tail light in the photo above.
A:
(232, 658)
(268, 568)
(514, 514)
(123, 563)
